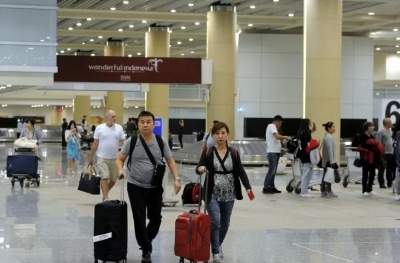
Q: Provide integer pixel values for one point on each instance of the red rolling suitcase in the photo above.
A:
(193, 234)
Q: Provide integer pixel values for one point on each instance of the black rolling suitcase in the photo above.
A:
(111, 230)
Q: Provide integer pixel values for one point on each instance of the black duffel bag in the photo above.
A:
(89, 181)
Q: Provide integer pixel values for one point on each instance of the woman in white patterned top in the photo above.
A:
(225, 172)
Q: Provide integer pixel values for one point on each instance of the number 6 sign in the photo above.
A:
(391, 109)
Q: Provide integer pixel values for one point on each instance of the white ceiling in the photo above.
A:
(267, 16)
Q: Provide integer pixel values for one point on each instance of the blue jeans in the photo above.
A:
(273, 161)
(220, 213)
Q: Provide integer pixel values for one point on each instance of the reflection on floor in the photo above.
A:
(54, 223)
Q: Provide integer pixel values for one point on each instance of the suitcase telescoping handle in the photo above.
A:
(205, 193)
(122, 190)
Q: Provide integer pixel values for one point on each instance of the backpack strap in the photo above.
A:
(131, 148)
(208, 135)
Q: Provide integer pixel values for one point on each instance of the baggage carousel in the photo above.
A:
(252, 152)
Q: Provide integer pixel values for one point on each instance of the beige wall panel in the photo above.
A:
(81, 107)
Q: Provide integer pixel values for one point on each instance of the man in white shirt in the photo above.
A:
(274, 149)
(107, 138)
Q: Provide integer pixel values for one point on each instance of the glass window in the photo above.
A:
(37, 25)
(28, 56)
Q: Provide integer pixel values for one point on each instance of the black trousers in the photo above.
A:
(180, 140)
(326, 187)
(390, 171)
(63, 142)
(368, 177)
(18, 134)
(146, 201)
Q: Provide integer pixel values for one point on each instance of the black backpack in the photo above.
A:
(292, 145)
(133, 144)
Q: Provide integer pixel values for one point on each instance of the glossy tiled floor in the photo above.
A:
(54, 223)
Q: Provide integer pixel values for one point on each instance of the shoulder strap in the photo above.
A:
(208, 135)
(131, 148)
(146, 148)
(160, 142)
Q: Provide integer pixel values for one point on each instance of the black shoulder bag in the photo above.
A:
(159, 169)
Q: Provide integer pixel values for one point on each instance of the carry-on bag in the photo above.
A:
(89, 181)
(111, 230)
(191, 193)
(192, 233)
(22, 165)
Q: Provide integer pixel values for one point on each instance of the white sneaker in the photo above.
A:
(397, 198)
(221, 253)
(366, 194)
(372, 193)
(217, 258)
(306, 196)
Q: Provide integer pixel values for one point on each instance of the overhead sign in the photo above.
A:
(128, 70)
(391, 109)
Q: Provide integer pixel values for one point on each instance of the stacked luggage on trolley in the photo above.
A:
(23, 166)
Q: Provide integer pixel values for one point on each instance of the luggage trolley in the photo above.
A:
(294, 184)
(351, 155)
(23, 165)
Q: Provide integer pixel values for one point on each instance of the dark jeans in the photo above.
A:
(63, 142)
(368, 177)
(18, 134)
(326, 187)
(180, 140)
(220, 213)
(273, 160)
(390, 171)
(143, 199)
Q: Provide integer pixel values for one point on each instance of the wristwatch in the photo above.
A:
(177, 179)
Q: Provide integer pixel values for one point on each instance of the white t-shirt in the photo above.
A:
(109, 138)
(273, 145)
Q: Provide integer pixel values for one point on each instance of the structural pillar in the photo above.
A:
(115, 99)
(81, 107)
(157, 46)
(56, 116)
(221, 48)
(323, 64)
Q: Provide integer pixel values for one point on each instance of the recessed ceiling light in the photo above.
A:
(169, 31)
(397, 38)
(88, 19)
(131, 26)
(378, 48)
(83, 43)
(112, 8)
(395, 29)
(371, 13)
(252, 6)
(276, 0)
(78, 24)
(144, 21)
(190, 39)
(192, 52)
(139, 53)
(397, 46)
(93, 55)
(125, 2)
(68, 49)
(120, 30)
(136, 107)
(197, 23)
(173, 11)
(291, 15)
(70, 28)
(398, 52)
(169, 45)
(130, 55)
(91, 40)
(135, 41)
(8, 86)
(100, 36)
(42, 40)
(250, 24)
(57, 53)
(396, 86)
(190, 4)
(179, 42)
(182, 54)
(62, 51)
(377, 94)
(183, 27)
(48, 37)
